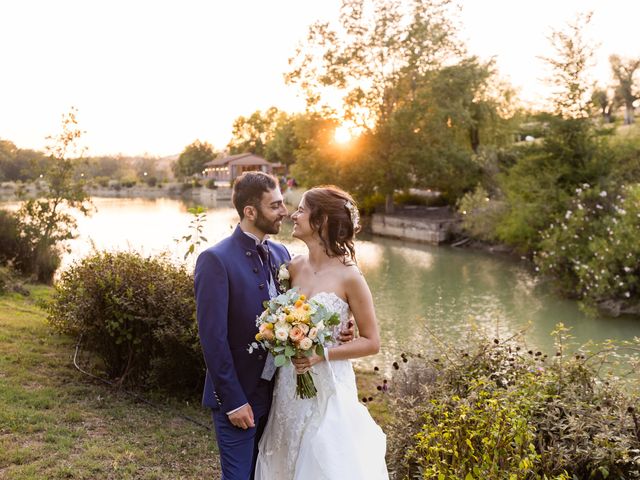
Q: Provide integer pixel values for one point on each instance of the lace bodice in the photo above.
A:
(334, 303)
(330, 436)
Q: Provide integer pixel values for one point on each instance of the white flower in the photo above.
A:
(313, 333)
(320, 326)
(603, 194)
(305, 343)
(282, 334)
(283, 272)
(286, 326)
(627, 294)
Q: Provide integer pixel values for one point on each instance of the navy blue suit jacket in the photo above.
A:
(230, 286)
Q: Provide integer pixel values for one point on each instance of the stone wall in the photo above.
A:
(425, 230)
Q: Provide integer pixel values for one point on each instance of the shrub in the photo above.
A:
(20, 249)
(137, 314)
(151, 181)
(480, 214)
(211, 184)
(9, 237)
(498, 411)
(592, 250)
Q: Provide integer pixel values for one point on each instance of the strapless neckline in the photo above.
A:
(333, 294)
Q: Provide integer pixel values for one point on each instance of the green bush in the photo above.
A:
(211, 184)
(18, 249)
(592, 250)
(499, 411)
(480, 214)
(137, 314)
(9, 237)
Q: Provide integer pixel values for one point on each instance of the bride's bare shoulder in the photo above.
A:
(296, 262)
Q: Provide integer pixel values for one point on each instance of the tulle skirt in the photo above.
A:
(329, 437)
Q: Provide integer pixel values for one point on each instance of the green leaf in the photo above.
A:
(289, 351)
(280, 360)
(319, 350)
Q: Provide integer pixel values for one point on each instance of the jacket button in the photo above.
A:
(261, 286)
(255, 269)
(260, 357)
(248, 254)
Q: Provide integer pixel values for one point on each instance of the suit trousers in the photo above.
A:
(238, 448)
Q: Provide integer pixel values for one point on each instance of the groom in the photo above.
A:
(232, 279)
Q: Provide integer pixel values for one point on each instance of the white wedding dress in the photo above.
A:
(328, 437)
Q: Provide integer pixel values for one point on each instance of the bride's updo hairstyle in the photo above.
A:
(334, 215)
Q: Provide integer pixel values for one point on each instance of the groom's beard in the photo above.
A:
(267, 226)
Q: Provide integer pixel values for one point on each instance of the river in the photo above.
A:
(423, 294)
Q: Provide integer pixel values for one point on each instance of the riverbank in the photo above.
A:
(58, 423)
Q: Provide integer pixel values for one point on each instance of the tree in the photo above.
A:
(570, 68)
(626, 90)
(47, 221)
(374, 58)
(192, 159)
(542, 182)
(282, 146)
(602, 101)
(251, 134)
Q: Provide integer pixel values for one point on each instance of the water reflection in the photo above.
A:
(448, 291)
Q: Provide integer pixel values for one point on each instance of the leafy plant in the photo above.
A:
(137, 314)
(499, 410)
(592, 250)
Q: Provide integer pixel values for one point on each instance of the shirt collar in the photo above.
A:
(254, 238)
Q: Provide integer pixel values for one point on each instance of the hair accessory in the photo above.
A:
(354, 214)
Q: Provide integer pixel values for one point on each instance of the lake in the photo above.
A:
(416, 288)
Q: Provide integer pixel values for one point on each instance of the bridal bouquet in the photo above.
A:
(291, 325)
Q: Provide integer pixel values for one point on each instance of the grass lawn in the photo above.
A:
(58, 423)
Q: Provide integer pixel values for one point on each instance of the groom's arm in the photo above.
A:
(212, 301)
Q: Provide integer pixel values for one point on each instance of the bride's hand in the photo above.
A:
(304, 364)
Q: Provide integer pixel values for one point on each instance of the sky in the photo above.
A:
(151, 76)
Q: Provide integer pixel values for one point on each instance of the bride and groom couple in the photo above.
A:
(264, 431)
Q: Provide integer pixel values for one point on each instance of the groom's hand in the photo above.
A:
(347, 334)
(242, 418)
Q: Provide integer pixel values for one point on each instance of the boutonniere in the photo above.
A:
(284, 278)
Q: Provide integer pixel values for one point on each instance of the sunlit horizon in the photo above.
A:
(152, 77)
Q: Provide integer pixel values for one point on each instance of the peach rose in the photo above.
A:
(305, 343)
(304, 327)
(266, 331)
(296, 333)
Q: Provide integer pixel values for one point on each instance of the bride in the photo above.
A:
(330, 436)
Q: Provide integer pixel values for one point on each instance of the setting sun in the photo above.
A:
(342, 134)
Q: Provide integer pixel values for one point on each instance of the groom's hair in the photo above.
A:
(248, 189)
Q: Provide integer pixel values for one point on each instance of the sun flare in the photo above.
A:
(342, 134)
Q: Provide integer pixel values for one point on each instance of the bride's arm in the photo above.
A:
(361, 305)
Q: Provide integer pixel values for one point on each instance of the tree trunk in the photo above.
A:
(628, 114)
(474, 137)
(388, 203)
